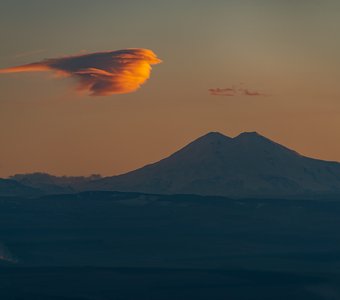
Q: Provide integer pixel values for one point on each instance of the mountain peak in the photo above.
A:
(215, 135)
(248, 165)
(249, 134)
(211, 138)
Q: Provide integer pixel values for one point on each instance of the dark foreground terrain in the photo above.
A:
(108, 245)
(158, 283)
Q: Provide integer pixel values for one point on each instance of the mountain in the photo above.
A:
(249, 165)
(13, 188)
(50, 184)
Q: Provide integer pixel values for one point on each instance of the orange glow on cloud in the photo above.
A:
(100, 73)
(35, 67)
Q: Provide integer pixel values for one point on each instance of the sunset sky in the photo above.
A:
(231, 66)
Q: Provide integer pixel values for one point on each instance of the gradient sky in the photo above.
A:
(288, 50)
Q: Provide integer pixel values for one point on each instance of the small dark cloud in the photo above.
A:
(247, 92)
(235, 91)
(100, 73)
(222, 92)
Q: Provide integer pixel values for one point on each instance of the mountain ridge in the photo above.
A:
(247, 165)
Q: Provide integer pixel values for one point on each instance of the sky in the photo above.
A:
(227, 66)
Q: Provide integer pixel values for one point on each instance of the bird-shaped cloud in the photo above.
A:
(100, 73)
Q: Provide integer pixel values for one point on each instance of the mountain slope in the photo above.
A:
(50, 184)
(13, 188)
(248, 165)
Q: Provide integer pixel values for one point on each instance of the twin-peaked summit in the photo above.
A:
(248, 165)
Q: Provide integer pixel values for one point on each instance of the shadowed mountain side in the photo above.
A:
(50, 184)
(13, 188)
(112, 229)
(248, 165)
(97, 245)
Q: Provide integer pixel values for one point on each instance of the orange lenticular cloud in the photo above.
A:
(100, 73)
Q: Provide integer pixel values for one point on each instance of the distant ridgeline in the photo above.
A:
(248, 165)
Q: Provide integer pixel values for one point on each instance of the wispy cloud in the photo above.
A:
(230, 92)
(100, 73)
(235, 91)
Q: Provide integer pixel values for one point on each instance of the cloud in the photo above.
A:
(235, 91)
(100, 73)
(230, 92)
(247, 92)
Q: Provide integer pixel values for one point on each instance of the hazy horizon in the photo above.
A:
(182, 147)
